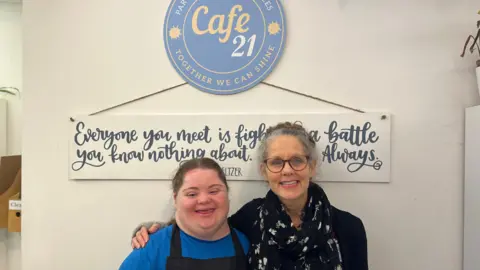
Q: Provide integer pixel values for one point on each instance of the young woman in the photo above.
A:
(200, 236)
(294, 226)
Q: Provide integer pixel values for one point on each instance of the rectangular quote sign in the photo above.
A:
(352, 147)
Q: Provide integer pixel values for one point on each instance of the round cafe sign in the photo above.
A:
(224, 46)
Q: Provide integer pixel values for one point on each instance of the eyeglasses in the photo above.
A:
(276, 165)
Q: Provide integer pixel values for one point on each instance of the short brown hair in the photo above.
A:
(196, 163)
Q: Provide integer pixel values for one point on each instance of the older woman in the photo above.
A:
(294, 226)
(200, 236)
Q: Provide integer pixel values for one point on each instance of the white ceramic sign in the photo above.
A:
(353, 147)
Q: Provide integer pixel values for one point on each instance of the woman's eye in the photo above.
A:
(297, 160)
(191, 195)
(276, 162)
(214, 191)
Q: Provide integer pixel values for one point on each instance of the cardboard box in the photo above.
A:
(15, 214)
(10, 184)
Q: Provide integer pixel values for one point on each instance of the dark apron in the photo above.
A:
(176, 262)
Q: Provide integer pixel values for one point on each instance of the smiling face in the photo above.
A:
(202, 203)
(290, 183)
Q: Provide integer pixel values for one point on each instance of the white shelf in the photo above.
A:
(472, 189)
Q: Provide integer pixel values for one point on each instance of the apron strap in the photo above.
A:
(236, 243)
(176, 242)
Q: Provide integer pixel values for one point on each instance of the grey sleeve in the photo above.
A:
(147, 225)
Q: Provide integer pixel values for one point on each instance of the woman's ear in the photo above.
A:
(313, 168)
(263, 170)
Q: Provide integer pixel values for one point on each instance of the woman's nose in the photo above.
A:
(287, 168)
(203, 197)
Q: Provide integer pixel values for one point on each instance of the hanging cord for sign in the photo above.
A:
(313, 97)
(265, 83)
(135, 99)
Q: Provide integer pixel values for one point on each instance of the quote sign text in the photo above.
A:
(351, 147)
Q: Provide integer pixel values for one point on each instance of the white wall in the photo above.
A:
(472, 185)
(400, 56)
(11, 75)
(11, 70)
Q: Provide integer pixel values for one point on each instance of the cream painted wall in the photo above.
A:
(399, 56)
(11, 70)
(11, 75)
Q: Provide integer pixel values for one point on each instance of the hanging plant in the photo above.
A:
(475, 46)
(10, 90)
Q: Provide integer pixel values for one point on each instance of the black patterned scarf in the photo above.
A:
(312, 247)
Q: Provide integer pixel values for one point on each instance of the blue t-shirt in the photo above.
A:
(154, 255)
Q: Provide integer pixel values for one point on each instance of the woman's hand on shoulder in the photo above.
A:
(141, 236)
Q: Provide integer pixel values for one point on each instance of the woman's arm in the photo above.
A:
(244, 219)
(352, 235)
(153, 256)
(137, 260)
(360, 247)
(141, 233)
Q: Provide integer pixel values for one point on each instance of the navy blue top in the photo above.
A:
(154, 255)
(348, 229)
